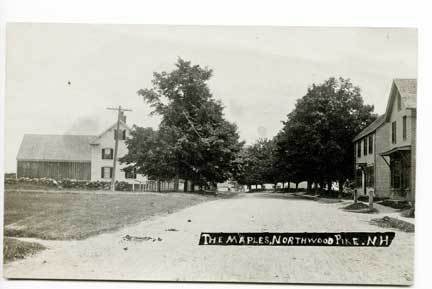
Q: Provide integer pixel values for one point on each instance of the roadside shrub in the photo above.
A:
(10, 181)
(33, 181)
(123, 186)
(41, 183)
(84, 185)
(97, 185)
(396, 204)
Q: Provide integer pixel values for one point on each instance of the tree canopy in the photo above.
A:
(315, 143)
(193, 141)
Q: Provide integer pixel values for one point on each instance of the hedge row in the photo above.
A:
(69, 183)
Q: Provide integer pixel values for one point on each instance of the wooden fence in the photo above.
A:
(152, 186)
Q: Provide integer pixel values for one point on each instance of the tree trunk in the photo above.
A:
(296, 186)
(316, 188)
(288, 185)
(185, 186)
(370, 200)
(158, 186)
(355, 196)
(309, 186)
(341, 189)
(192, 186)
(329, 186)
(176, 184)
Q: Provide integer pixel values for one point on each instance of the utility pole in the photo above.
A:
(116, 134)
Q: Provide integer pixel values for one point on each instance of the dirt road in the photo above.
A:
(169, 250)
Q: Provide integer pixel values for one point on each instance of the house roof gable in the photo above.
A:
(96, 139)
(407, 89)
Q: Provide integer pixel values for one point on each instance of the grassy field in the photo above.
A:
(14, 249)
(62, 216)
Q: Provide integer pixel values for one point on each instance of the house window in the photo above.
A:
(404, 127)
(130, 174)
(370, 144)
(365, 146)
(106, 172)
(107, 154)
(370, 176)
(358, 178)
(393, 132)
(399, 106)
(122, 134)
(358, 149)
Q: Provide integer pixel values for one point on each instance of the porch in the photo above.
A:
(399, 161)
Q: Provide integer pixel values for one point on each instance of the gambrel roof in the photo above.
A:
(68, 148)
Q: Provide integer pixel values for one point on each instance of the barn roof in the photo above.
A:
(55, 147)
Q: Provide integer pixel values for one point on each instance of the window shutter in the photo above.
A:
(102, 172)
(102, 154)
(111, 172)
(115, 134)
(124, 134)
(111, 153)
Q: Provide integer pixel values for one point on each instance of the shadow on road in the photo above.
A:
(268, 195)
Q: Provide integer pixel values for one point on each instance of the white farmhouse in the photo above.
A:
(102, 155)
(75, 156)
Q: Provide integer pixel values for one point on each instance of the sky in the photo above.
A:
(60, 78)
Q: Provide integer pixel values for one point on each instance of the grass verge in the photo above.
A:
(63, 216)
(389, 222)
(356, 206)
(14, 249)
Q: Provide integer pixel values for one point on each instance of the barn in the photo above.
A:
(55, 156)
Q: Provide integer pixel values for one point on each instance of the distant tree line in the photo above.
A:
(195, 143)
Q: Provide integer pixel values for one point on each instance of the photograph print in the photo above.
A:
(262, 154)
